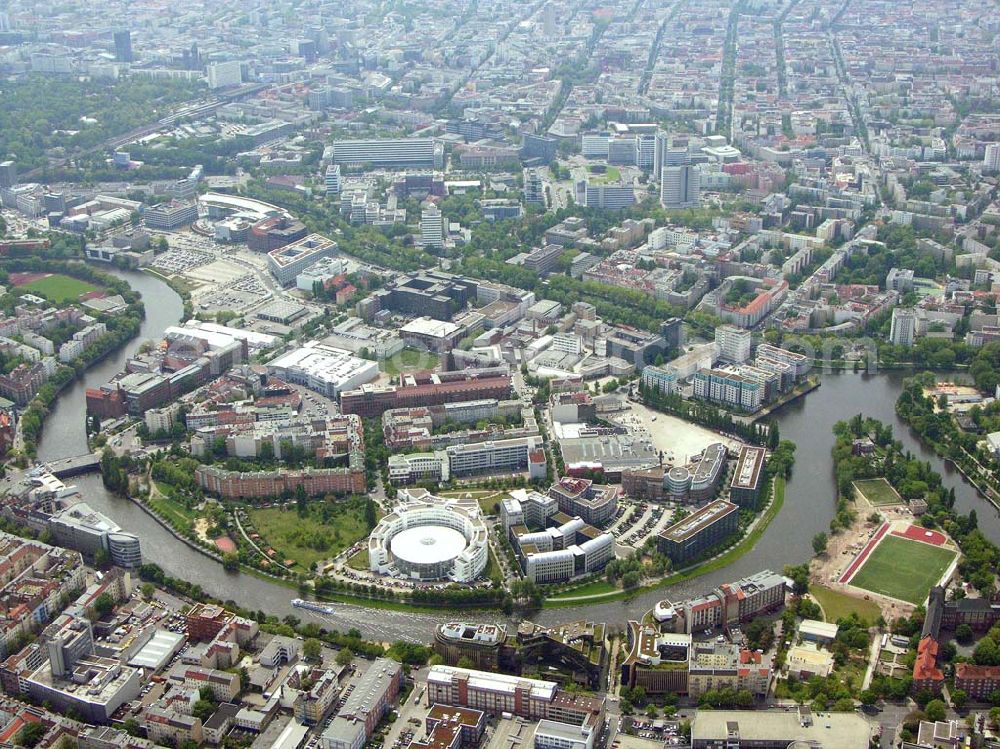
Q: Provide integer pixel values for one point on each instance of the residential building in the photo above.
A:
(903, 329)
(497, 693)
(729, 388)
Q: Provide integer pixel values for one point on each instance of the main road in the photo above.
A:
(809, 502)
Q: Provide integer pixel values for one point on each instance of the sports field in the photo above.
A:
(878, 492)
(59, 288)
(903, 569)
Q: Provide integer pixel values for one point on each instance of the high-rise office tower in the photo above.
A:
(991, 163)
(534, 188)
(333, 183)
(8, 174)
(431, 228)
(123, 45)
(680, 186)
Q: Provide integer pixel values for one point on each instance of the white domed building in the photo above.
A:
(430, 538)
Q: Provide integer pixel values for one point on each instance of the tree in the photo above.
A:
(466, 662)
(104, 604)
(935, 710)
(148, 591)
(819, 543)
(203, 709)
(31, 734)
(312, 649)
(959, 698)
(963, 633)
(231, 561)
(868, 697)
(344, 657)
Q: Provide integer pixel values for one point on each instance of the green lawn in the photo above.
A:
(175, 511)
(313, 538)
(878, 492)
(903, 569)
(837, 605)
(611, 176)
(596, 587)
(360, 560)
(59, 288)
(409, 360)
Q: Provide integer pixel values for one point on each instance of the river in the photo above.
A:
(808, 508)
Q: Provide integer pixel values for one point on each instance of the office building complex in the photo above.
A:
(275, 232)
(734, 343)
(285, 263)
(171, 215)
(82, 528)
(404, 153)
(514, 454)
(373, 695)
(746, 487)
(700, 532)
(608, 196)
(429, 538)
(430, 293)
(223, 74)
(583, 498)
(8, 174)
(483, 644)
(327, 370)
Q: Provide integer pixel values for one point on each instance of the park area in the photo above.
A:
(878, 492)
(55, 287)
(325, 531)
(902, 568)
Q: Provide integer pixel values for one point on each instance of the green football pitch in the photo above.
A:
(903, 569)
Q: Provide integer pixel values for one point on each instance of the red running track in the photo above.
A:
(916, 533)
(863, 554)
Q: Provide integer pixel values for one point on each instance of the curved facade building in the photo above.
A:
(125, 550)
(430, 538)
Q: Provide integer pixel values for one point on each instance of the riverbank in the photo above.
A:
(797, 392)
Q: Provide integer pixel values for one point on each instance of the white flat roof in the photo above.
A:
(427, 544)
(430, 327)
(154, 654)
